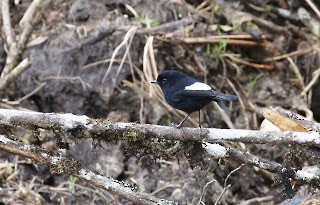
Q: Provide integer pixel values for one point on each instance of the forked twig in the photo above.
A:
(127, 38)
(203, 191)
(225, 186)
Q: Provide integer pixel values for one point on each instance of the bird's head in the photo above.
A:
(167, 78)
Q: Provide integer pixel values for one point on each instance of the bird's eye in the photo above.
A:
(164, 80)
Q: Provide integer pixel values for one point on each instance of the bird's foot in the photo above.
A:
(199, 130)
(178, 126)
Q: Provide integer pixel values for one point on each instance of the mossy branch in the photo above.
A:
(61, 164)
(77, 127)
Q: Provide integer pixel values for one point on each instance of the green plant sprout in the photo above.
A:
(218, 49)
(254, 81)
(147, 21)
(9, 170)
(168, 121)
(73, 181)
(236, 26)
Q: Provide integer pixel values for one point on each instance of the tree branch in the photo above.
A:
(82, 126)
(70, 166)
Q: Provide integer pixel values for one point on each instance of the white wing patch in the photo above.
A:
(198, 86)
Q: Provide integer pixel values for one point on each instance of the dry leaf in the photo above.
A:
(266, 125)
(282, 121)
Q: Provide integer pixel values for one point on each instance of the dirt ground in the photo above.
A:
(96, 57)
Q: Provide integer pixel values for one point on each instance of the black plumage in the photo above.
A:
(188, 94)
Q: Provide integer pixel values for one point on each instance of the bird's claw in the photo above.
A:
(176, 125)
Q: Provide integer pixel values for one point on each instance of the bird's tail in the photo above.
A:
(222, 96)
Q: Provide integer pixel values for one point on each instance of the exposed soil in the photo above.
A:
(80, 33)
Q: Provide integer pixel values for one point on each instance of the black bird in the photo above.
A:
(188, 94)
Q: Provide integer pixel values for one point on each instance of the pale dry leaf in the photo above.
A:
(282, 121)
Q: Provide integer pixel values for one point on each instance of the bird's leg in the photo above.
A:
(184, 119)
(199, 125)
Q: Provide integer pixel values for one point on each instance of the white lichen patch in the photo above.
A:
(6, 140)
(308, 173)
(69, 120)
(215, 150)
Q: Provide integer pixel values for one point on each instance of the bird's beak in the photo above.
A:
(154, 81)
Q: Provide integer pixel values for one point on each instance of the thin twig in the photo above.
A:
(224, 116)
(17, 102)
(173, 185)
(125, 41)
(7, 22)
(171, 26)
(204, 188)
(14, 73)
(128, 45)
(213, 39)
(294, 53)
(12, 59)
(30, 12)
(116, 60)
(296, 71)
(243, 107)
(257, 200)
(270, 25)
(225, 186)
(314, 7)
(247, 63)
(312, 82)
(132, 10)
(73, 79)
